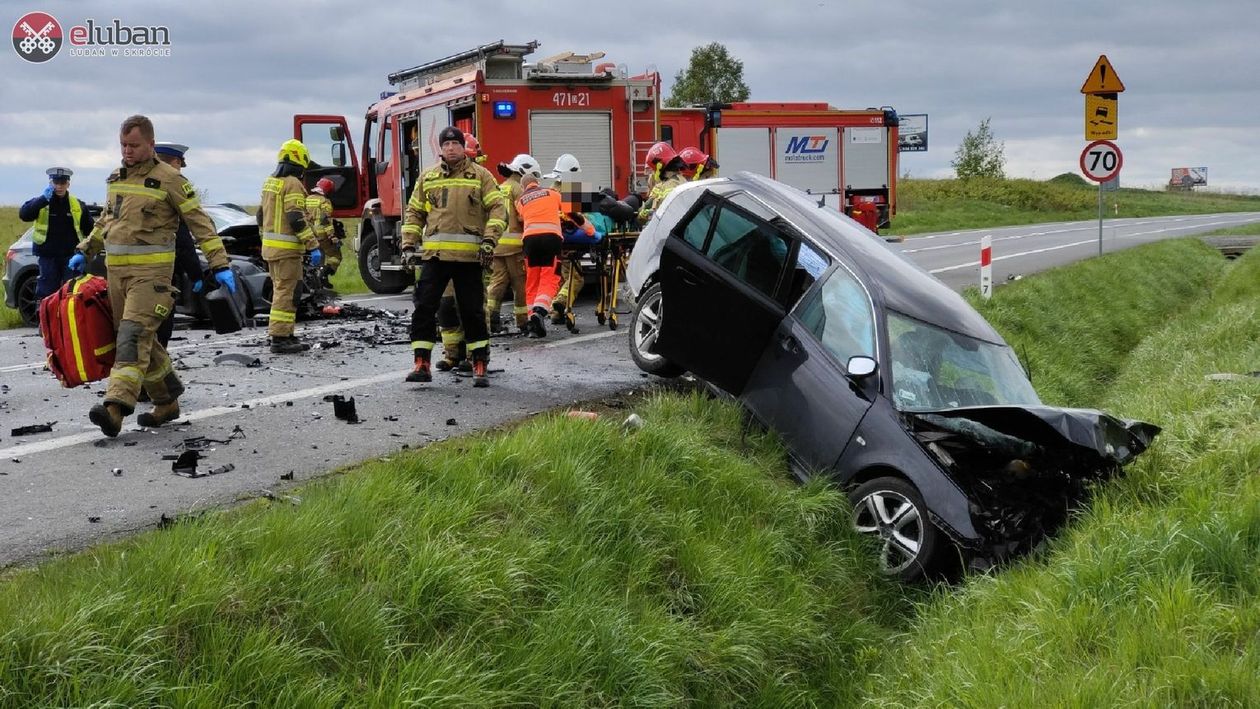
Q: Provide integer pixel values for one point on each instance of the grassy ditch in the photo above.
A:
(1152, 598)
(564, 562)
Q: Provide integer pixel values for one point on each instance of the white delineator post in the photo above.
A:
(986, 266)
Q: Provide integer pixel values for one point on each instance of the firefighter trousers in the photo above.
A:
(332, 254)
(508, 270)
(450, 327)
(435, 274)
(571, 282)
(286, 275)
(141, 300)
(542, 269)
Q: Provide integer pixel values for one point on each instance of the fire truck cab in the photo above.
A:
(567, 103)
(845, 157)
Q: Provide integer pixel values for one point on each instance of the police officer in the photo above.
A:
(61, 219)
(286, 236)
(319, 211)
(186, 261)
(145, 200)
(509, 255)
(455, 215)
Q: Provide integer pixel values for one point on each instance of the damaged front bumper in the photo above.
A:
(1025, 468)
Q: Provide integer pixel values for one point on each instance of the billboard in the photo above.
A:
(913, 133)
(1188, 176)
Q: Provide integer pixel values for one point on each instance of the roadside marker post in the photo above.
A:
(986, 266)
(1101, 161)
(1102, 89)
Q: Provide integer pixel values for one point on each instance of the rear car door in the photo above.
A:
(801, 387)
(720, 271)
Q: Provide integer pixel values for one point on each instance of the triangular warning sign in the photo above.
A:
(1103, 79)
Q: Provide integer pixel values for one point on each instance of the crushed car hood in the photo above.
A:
(1110, 440)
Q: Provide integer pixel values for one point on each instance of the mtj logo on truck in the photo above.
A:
(37, 37)
(806, 148)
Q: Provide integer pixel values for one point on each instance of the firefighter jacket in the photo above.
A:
(286, 233)
(144, 205)
(319, 216)
(452, 209)
(659, 193)
(60, 223)
(510, 243)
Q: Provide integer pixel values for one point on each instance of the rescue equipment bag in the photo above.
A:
(78, 327)
(227, 310)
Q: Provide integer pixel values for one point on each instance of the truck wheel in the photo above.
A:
(378, 281)
(645, 326)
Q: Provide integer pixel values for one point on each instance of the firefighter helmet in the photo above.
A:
(294, 152)
(565, 165)
(324, 186)
(525, 166)
(659, 154)
(696, 161)
(472, 147)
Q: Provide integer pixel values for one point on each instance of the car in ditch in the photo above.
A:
(872, 371)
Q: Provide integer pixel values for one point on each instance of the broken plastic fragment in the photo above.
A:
(32, 429)
(343, 408)
(237, 358)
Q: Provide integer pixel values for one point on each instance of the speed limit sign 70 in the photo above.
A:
(1101, 160)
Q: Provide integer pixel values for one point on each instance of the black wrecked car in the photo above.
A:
(872, 371)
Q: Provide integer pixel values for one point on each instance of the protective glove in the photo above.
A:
(486, 254)
(226, 279)
(77, 263)
(408, 255)
(48, 192)
(317, 257)
(198, 285)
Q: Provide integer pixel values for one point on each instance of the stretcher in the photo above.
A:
(611, 254)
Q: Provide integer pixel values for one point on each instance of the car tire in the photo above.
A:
(27, 303)
(378, 281)
(645, 324)
(892, 512)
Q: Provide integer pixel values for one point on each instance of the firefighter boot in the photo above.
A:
(557, 313)
(161, 413)
(108, 416)
(536, 320)
(421, 371)
(287, 345)
(480, 380)
(496, 322)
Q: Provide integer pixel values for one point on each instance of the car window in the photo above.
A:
(754, 252)
(697, 229)
(810, 265)
(840, 316)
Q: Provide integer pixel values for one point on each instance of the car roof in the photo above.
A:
(900, 283)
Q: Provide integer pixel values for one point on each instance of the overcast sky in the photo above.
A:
(239, 70)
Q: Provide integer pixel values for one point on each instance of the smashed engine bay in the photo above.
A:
(1025, 469)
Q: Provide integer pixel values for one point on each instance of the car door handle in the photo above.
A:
(687, 277)
(789, 344)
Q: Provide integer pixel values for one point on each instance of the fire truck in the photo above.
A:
(845, 157)
(568, 103)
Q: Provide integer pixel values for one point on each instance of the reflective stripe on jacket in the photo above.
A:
(452, 209)
(319, 216)
(539, 208)
(510, 243)
(286, 233)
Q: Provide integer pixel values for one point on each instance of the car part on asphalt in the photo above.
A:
(343, 408)
(33, 429)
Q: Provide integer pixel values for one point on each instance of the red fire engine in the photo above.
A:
(567, 103)
(847, 158)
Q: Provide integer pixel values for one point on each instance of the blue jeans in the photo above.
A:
(53, 271)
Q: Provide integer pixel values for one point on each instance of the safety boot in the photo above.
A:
(536, 320)
(496, 322)
(446, 364)
(557, 313)
(480, 380)
(161, 413)
(108, 417)
(421, 371)
(288, 345)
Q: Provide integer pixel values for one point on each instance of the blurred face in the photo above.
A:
(171, 160)
(452, 151)
(61, 186)
(135, 147)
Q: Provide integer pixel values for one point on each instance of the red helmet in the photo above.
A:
(324, 186)
(659, 154)
(472, 147)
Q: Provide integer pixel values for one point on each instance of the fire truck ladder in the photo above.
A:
(639, 148)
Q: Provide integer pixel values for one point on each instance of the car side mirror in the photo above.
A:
(339, 155)
(336, 134)
(861, 366)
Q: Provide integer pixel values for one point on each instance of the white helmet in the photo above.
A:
(525, 166)
(566, 165)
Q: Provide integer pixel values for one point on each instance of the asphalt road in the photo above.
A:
(72, 486)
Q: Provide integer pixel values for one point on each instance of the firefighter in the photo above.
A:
(697, 165)
(454, 352)
(456, 215)
(61, 220)
(319, 215)
(145, 200)
(509, 256)
(669, 171)
(186, 261)
(286, 237)
(658, 156)
(541, 228)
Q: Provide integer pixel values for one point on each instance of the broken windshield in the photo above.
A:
(934, 369)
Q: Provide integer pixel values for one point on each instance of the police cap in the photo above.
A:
(59, 174)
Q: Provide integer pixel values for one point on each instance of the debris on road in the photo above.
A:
(343, 408)
(585, 415)
(451, 422)
(33, 429)
(94, 519)
(186, 463)
(238, 358)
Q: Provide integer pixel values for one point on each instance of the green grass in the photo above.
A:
(563, 562)
(944, 205)
(347, 280)
(1152, 597)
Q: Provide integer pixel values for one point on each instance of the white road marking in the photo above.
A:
(581, 338)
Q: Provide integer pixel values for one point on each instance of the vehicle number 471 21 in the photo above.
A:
(574, 100)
